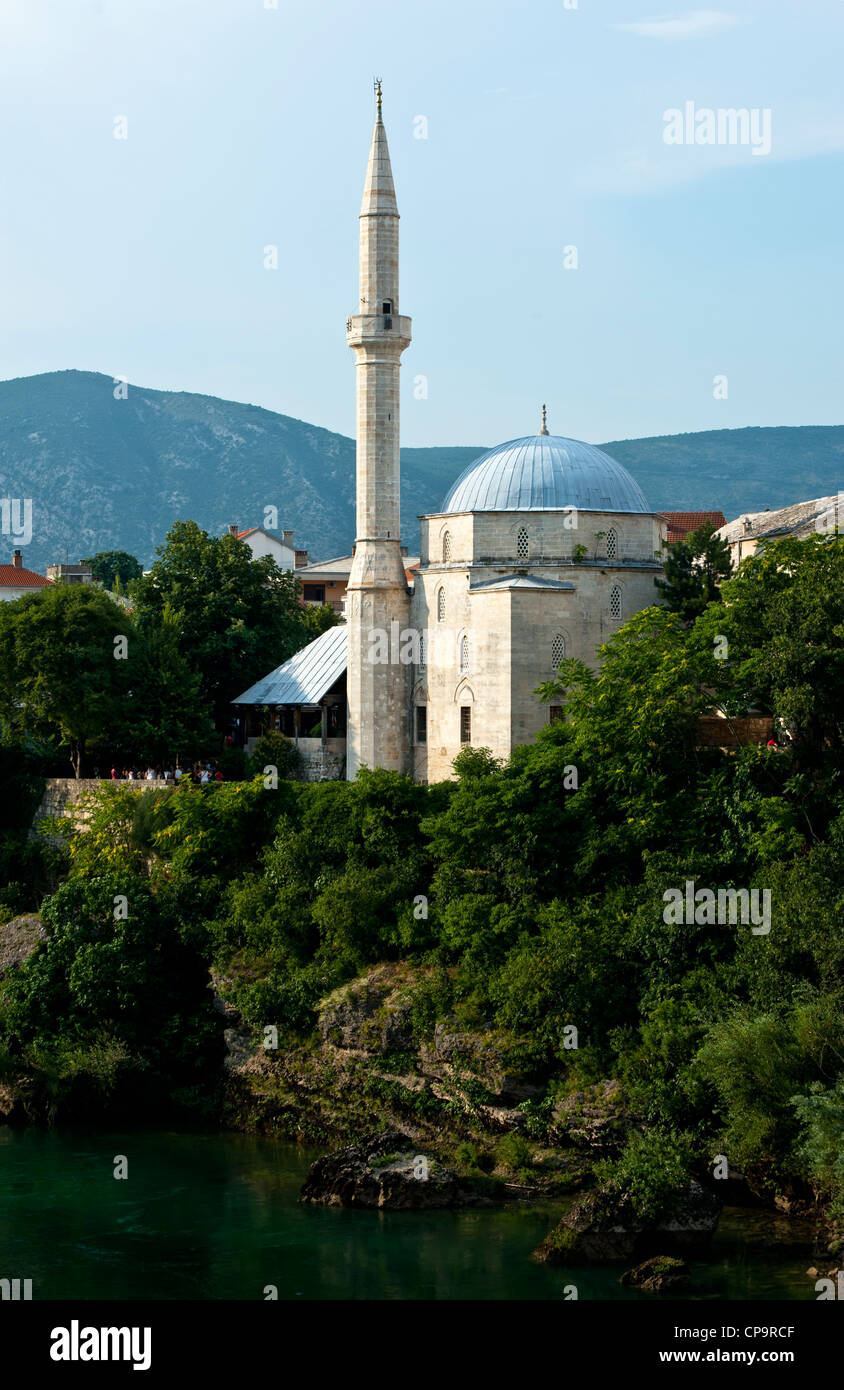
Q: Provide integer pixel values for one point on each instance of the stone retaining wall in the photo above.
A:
(63, 796)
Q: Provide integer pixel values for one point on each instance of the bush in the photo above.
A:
(275, 750)
(515, 1156)
(652, 1167)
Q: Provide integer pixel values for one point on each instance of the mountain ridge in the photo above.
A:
(106, 473)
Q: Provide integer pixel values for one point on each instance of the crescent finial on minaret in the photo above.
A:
(378, 94)
(544, 429)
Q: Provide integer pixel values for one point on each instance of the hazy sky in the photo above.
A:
(249, 126)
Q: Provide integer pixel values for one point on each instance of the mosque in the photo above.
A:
(541, 549)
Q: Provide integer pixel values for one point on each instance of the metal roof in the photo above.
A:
(545, 473)
(306, 677)
(523, 581)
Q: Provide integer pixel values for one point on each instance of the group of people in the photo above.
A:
(199, 774)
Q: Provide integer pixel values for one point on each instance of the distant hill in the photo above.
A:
(736, 470)
(108, 474)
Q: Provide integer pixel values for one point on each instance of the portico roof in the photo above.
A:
(306, 677)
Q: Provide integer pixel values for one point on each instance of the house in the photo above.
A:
(326, 582)
(71, 574)
(681, 523)
(279, 547)
(16, 582)
(801, 519)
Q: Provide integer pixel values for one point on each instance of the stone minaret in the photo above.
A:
(378, 597)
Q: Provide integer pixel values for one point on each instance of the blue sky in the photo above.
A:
(249, 126)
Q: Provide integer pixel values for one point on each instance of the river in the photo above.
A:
(216, 1216)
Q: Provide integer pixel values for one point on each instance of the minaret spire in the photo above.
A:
(379, 602)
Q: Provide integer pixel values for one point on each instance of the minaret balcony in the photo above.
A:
(389, 329)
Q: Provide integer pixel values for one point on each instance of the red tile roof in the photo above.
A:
(681, 523)
(16, 577)
(250, 532)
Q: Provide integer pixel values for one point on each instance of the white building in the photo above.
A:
(279, 546)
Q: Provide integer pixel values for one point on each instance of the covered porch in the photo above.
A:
(304, 699)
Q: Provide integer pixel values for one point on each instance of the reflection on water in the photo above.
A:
(217, 1216)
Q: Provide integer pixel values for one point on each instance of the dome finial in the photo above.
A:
(377, 85)
(544, 429)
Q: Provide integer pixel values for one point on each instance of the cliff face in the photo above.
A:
(463, 1093)
(18, 940)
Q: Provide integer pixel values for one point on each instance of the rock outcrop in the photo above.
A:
(385, 1171)
(660, 1274)
(371, 1014)
(596, 1118)
(18, 939)
(603, 1226)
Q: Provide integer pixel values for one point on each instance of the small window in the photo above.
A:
(522, 544)
(466, 724)
(556, 714)
(313, 593)
(423, 648)
(387, 306)
(558, 650)
(421, 724)
(447, 547)
(615, 602)
(441, 606)
(612, 544)
(464, 652)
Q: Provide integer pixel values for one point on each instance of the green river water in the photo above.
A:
(217, 1216)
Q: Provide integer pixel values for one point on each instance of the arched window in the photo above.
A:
(447, 547)
(423, 648)
(441, 606)
(522, 544)
(558, 650)
(612, 544)
(464, 652)
(615, 601)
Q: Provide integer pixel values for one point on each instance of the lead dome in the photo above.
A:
(545, 472)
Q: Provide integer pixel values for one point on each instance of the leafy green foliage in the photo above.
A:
(115, 568)
(521, 901)
(76, 667)
(652, 1167)
(130, 979)
(234, 617)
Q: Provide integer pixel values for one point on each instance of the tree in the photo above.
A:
(694, 569)
(76, 668)
(236, 618)
(114, 568)
(115, 965)
(783, 619)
